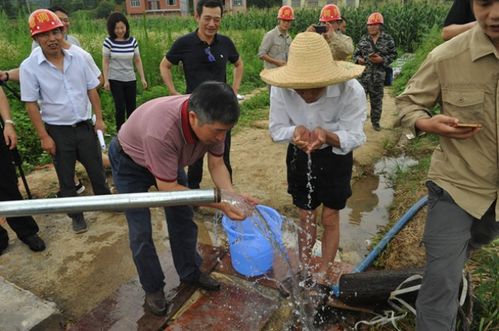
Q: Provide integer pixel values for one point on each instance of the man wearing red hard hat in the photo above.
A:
(341, 45)
(376, 50)
(55, 84)
(275, 44)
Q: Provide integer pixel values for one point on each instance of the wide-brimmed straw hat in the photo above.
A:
(310, 65)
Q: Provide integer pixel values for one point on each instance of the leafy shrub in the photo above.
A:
(431, 40)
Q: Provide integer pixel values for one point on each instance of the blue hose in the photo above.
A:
(366, 262)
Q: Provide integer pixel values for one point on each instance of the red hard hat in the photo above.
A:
(375, 18)
(43, 20)
(330, 13)
(286, 13)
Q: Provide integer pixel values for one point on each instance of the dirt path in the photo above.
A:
(79, 271)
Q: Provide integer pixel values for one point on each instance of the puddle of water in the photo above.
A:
(368, 208)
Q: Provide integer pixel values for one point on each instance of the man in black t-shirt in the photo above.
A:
(459, 19)
(204, 55)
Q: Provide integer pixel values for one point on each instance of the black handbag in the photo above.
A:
(388, 76)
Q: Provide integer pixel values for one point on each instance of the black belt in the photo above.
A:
(82, 123)
(87, 122)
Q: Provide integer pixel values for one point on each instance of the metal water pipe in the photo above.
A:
(112, 202)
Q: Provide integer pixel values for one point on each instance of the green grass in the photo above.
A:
(255, 109)
(156, 34)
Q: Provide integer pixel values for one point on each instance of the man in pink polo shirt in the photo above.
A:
(161, 137)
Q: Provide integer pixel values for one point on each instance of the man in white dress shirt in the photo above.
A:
(56, 85)
(317, 107)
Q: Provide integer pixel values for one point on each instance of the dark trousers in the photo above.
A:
(80, 143)
(124, 96)
(195, 171)
(130, 177)
(24, 226)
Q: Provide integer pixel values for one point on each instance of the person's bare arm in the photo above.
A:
(9, 131)
(47, 142)
(234, 212)
(238, 75)
(450, 31)
(446, 126)
(94, 98)
(165, 68)
(267, 58)
(105, 72)
(140, 69)
(12, 74)
(219, 173)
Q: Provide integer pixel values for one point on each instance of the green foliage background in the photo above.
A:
(406, 23)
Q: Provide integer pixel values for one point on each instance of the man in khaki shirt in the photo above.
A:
(341, 45)
(275, 44)
(461, 76)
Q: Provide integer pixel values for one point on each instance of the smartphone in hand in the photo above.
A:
(468, 125)
(320, 28)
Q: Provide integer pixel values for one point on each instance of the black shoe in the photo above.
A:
(376, 127)
(79, 225)
(206, 282)
(80, 188)
(156, 303)
(34, 242)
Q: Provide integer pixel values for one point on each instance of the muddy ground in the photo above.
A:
(79, 271)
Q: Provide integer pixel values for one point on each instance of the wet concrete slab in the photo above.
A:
(232, 308)
(240, 305)
(124, 310)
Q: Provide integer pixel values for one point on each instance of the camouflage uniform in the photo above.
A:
(373, 77)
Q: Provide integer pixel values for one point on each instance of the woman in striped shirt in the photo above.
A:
(119, 53)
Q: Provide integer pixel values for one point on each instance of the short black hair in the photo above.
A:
(58, 8)
(214, 102)
(112, 20)
(209, 4)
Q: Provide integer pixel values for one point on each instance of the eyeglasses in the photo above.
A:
(211, 57)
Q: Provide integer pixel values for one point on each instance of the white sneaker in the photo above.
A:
(80, 188)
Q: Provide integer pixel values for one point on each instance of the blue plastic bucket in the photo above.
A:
(250, 245)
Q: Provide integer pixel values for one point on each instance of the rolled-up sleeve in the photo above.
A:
(280, 124)
(422, 93)
(351, 124)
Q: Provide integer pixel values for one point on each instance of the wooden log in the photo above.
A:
(373, 287)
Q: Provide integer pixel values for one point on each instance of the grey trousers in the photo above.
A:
(450, 233)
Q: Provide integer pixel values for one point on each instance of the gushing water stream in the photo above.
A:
(371, 199)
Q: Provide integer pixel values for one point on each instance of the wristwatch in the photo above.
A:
(10, 122)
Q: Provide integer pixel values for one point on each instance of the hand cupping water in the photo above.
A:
(237, 206)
